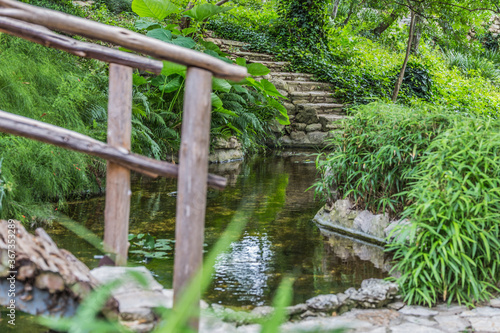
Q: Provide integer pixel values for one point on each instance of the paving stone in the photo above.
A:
(452, 309)
(421, 321)
(381, 317)
(375, 330)
(452, 323)
(482, 312)
(325, 325)
(413, 328)
(412, 310)
(396, 305)
(495, 303)
(485, 324)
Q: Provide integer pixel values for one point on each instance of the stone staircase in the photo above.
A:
(314, 114)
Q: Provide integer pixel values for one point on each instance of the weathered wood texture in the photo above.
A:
(44, 36)
(126, 38)
(49, 280)
(117, 211)
(192, 185)
(40, 131)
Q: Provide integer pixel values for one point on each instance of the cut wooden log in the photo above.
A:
(48, 280)
(44, 36)
(40, 131)
(131, 40)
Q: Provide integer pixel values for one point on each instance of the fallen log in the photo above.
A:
(40, 131)
(40, 278)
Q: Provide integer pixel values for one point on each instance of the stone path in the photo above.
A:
(374, 308)
(313, 112)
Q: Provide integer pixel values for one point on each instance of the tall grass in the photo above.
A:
(486, 65)
(451, 250)
(375, 158)
(50, 86)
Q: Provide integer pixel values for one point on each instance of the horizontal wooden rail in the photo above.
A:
(40, 131)
(120, 36)
(46, 37)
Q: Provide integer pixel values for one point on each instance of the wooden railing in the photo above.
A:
(35, 24)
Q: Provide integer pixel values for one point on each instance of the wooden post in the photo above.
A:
(192, 183)
(117, 211)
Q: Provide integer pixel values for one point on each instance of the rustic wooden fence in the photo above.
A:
(36, 24)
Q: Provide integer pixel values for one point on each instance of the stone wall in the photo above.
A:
(495, 27)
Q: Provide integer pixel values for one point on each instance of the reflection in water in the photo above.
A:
(243, 270)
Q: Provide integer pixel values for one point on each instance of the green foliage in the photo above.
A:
(417, 81)
(258, 41)
(377, 156)
(34, 171)
(451, 250)
(302, 23)
(204, 11)
(158, 9)
(473, 65)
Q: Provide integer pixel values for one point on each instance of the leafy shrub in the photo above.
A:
(417, 81)
(374, 160)
(451, 250)
(470, 64)
(258, 41)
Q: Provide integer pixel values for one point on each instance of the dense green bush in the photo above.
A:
(374, 160)
(50, 86)
(451, 250)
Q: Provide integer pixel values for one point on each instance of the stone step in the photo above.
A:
(251, 56)
(272, 65)
(330, 122)
(325, 108)
(308, 86)
(287, 76)
(301, 97)
(227, 42)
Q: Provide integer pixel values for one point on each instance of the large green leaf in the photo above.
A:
(138, 80)
(158, 9)
(161, 34)
(257, 69)
(170, 68)
(186, 42)
(270, 89)
(143, 24)
(220, 85)
(216, 101)
(282, 117)
(242, 62)
(204, 11)
(172, 85)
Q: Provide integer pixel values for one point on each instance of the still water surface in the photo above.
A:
(279, 239)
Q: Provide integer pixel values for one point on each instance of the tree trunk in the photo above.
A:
(335, 9)
(186, 21)
(352, 8)
(384, 25)
(403, 69)
(417, 34)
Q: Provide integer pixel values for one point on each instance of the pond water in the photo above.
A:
(279, 239)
